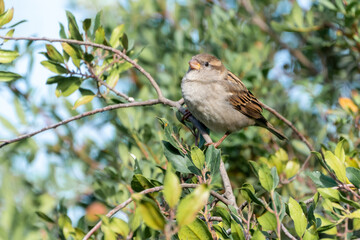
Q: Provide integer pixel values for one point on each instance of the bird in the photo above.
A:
(219, 99)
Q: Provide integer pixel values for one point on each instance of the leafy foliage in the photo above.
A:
(167, 177)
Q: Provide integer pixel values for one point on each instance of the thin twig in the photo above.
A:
(83, 43)
(104, 109)
(287, 122)
(287, 233)
(146, 191)
(99, 80)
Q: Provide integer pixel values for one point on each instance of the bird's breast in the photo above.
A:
(208, 102)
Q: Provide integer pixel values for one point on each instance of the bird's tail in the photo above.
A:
(275, 131)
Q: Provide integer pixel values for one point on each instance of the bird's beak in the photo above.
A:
(194, 64)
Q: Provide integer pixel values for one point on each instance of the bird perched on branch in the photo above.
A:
(219, 99)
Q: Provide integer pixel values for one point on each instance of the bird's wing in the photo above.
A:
(242, 99)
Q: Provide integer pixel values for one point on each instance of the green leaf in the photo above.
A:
(255, 167)
(291, 169)
(212, 159)
(248, 192)
(172, 188)
(54, 54)
(73, 27)
(116, 34)
(7, 56)
(140, 183)
(74, 52)
(113, 225)
(54, 67)
(113, 78)
(99, 35)
(83, 100)
(329, 193)
(44, 217)
(6, 17)
(20, 112)
(97, 21)
(236, 231)
(125, 41)
(321, 180)
(190, 205)
(86, 24)
(328, 4)
(353, 174)
(55, 79)
(64, 223)
(179, 162)
(339, 151)
(298, 216)
(10, 33)
(197, 230)
(336, 165)
(197, 157)
(8, 76)
(8, 125)
(275, 177)
(301, 147)
(258, 235)
(297, 15)
(265, 177)
(67, 86)
(2, 6)
(267, 221)
(150, 212)
(224, 214)
(62, 31)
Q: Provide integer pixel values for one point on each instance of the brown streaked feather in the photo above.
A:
(243, 100)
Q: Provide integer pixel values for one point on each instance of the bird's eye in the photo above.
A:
(207, 64)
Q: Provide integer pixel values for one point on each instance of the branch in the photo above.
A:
(146, 191)
(289, 235)
(161, 99)
(257, 20)
(83, 43)
(100, 81)
(104, 109)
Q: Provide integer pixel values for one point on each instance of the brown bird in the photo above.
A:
(219, 99)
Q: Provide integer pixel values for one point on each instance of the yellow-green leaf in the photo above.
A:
(329, 193)
(99, 35)
(54, 67)
(150, 212)
(197, 230)
(354, 214)
(6, 17)
(236, 231)
(192, 204)
(2, 6)
(197, 157)
(267, 221)
(7, 56)
(292, 167)
(8, 76)
(10, 33)
(298, 216)
(83, 100)
(172, 188)
(336, 165)
(54, 54)
(265, 177)
(339, 151)
(116, 35)
(113, 78)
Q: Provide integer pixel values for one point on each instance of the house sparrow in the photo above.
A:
(220, 100)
